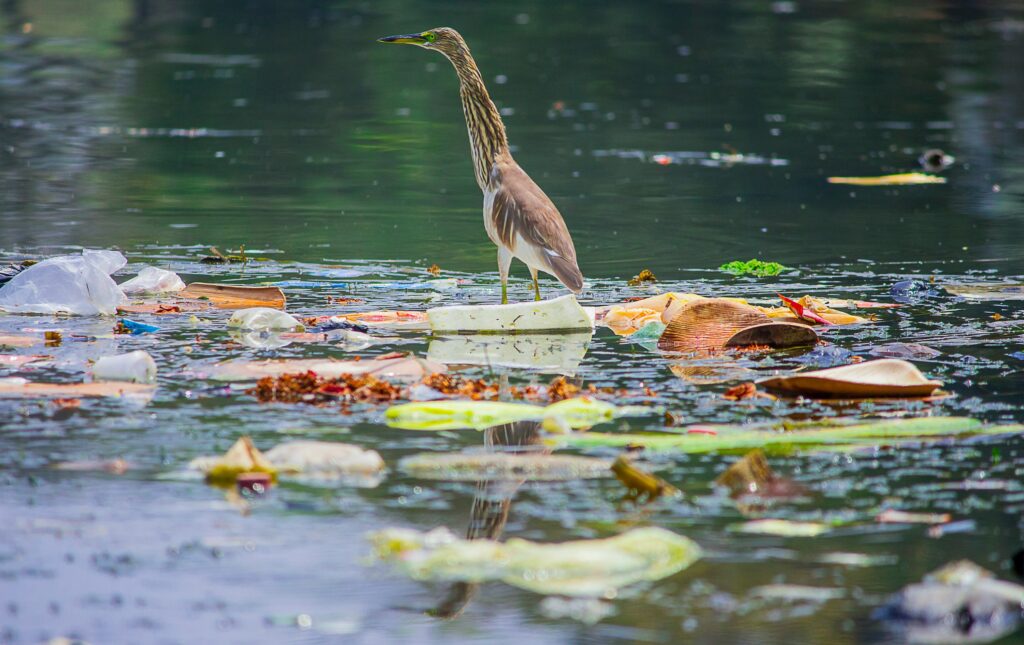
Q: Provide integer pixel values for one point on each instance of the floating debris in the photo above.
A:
(644, 277)
(887, 377)
(588, 568)
(310, 388)
(724, 438)
(903, 179)
(782, 528)
(641, 484)
(959, 603)
(502, 466)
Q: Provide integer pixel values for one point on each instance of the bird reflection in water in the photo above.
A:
(492, 503)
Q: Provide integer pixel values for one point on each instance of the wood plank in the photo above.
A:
(227, 296)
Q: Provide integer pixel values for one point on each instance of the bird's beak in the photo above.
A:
(404, 39)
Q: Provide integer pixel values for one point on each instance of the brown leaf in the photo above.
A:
(887, 377)
(644, 277)
(741, 392)
(639, 482)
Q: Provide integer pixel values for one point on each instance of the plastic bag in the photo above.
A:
(74, 284)
(264, 318)
(153, 280)
(137, 366)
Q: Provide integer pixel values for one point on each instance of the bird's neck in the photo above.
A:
(487, 138)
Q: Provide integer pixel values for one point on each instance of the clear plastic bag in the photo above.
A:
(74, 284)
(264, 319)
(153, 280)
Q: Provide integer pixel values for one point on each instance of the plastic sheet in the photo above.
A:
(137, 366)
(263, 318)
(153, 280)
(74, 284)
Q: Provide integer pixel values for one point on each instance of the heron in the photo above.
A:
(519, 217)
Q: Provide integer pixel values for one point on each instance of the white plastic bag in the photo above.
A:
(74, 284)
(264, 318)
(153, 280)
(137, 366)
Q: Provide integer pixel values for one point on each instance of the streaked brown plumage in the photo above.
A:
(519, 218)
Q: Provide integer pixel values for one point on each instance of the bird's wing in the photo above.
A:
(521, 208)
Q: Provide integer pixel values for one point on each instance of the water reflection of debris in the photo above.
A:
(712, 159)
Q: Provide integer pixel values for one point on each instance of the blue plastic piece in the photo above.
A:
(137, 328)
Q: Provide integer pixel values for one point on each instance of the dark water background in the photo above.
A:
(164, 127)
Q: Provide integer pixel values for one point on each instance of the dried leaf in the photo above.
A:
(741, 392)
(802, 312)
(407, 368)
(242, 457)
(748, 475)
(639, 482)
(708, 323)
(644, 277)
(888, 377)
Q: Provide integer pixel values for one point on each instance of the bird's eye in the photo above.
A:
(430, 36)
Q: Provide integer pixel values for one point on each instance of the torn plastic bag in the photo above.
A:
(153, 280)
(74, 284)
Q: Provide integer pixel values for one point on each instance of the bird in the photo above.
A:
(518, 216)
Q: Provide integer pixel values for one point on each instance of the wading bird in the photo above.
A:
(518, 216)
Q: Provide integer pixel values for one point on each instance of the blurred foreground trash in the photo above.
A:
(306, 460)
(959, 603)
(73, 284)
(581, 568)
(136, 367)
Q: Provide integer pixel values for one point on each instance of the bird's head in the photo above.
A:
(443, 39)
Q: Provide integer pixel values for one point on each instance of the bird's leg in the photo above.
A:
(536, 287)
(504, 262)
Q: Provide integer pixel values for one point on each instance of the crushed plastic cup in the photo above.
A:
(264, 319)
(153, 280)
(137, 367)
(73, 284)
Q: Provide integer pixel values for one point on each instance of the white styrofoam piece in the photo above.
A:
(562, 314)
